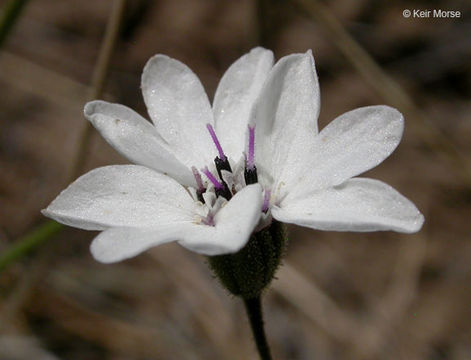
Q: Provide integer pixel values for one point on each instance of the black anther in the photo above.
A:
(250, 176)
(222, 165)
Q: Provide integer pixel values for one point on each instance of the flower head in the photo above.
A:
(208, 177)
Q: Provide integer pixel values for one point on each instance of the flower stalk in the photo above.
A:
(248, 272)
(253, 307)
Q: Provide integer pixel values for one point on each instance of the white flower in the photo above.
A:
(259, 150)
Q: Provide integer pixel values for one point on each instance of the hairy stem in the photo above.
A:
(253, 308)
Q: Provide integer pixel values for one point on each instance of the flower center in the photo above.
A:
(225, 173)
(220, 187)
(228, 180)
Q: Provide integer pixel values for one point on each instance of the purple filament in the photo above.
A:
(212, 178)
(198, 179)
(266, 201)
(222, 156)
(251, 157)
(209, 220)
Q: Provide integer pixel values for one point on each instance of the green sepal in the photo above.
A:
(247, 272)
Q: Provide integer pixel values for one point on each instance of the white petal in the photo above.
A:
(234, 224)
(122, 196)
(285, 116)
(235, 96)
(360, 204)
(179, 108)
(354, 143)
(122, 243)
(136, 139)
(350, 145)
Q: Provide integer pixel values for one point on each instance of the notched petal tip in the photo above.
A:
(308, 55)
(91, 108)
(97, 111)
(298, 57)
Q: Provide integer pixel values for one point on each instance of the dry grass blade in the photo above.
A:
(368, 336)
(390, 310)
(98, 80)
(99, 77)
(32, 78)
(312, 302)
(98, 328)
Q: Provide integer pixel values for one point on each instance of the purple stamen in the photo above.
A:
(198, 179)
(212, 178)
(266, 201)
(222, 156)
(250, 161)
(209, 220)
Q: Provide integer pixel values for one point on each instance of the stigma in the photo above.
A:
(222, 165)
(250, 172)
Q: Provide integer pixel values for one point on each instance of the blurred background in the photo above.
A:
(339, 295)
